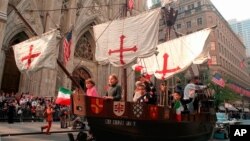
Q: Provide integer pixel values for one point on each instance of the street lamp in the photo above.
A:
(242, 102)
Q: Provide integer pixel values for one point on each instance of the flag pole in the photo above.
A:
(68, 74)
(124, 69)
(169, 16)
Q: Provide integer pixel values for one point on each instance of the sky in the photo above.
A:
(233, 9)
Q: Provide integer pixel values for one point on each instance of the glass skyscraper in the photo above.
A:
(242, 29)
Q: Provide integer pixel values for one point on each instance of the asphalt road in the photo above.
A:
(57, 136)
(52, 137)
(39, 137)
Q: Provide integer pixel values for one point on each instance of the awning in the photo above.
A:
(227, 106)
(246, 110)
(222, 108)
(230, 107)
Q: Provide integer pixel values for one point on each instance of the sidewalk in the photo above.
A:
(27, 128)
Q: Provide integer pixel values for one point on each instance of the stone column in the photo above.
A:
(71, 18)
(48, 76)
(3, 20)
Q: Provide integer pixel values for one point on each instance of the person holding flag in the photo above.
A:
(48, 112)
(177, 105)
(63, 97)
(190, 95)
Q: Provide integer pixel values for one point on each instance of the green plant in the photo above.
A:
(223, 94)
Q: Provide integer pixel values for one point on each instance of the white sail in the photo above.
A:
(37, 53)
(121, 41)
(176, 55)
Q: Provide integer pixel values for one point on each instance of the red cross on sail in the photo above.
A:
(37, 52)
(138, 38)
(121, 50)
(30, 56)
(177, 55)
(165, 68)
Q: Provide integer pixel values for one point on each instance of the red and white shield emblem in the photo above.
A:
(96, 105)
(119, 108)
(153, 112)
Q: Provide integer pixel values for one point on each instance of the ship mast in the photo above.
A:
(124, 69)
(169, 17)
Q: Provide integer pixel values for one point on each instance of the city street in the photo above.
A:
(124, 70)
(39, 137)
(30, 131)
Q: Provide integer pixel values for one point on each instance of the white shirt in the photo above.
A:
(189, 90)
(136, 96)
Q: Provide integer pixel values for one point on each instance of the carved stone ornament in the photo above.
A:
(84, 48)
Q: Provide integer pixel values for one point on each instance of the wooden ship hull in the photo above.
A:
(128, 121)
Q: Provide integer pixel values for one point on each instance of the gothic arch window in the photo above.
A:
(85, 47)
(80, 75)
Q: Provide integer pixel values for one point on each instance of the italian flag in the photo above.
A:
(178, 108)
(63, 97)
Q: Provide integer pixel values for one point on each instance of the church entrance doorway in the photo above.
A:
(11, 74)
(80, 75)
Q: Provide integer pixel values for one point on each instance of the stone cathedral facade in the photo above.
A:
(43, 15)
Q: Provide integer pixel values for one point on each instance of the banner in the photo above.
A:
(37, 52)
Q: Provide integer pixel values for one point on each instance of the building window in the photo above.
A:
(180, 9)
(178, 26)
(199, 21)
(214, 61)
(85, 47)
(212, 45)
(189, 24)
(187, 12)
(220, 61)
(198, 9)
(199, 3)
(196, 6)
(192, 6)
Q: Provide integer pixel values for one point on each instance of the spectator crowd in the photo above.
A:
(25, 106)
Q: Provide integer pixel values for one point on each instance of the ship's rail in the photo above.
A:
(104, 108)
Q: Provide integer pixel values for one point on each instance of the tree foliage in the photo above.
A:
(223, 94)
